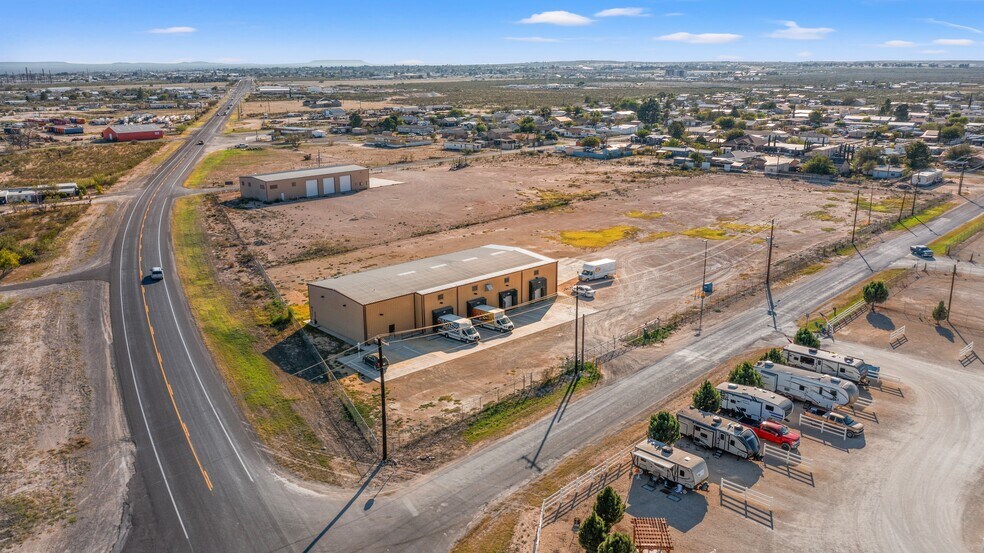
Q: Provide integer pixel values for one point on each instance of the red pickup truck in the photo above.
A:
(777, 433)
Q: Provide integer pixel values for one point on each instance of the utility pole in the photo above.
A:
(963, 167)
(915, 190)
(854, 226)
(949, 302)
(902, 207)
(582, 341)
(577, 304)
(871, 202)
(703, 283)
(382, 391)
(768, 262)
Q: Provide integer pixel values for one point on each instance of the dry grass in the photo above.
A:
(707, 233)
(654, 236)
(957, 236)
(597, 238)
(647, 215)
(87, 165)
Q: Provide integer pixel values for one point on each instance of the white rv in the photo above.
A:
(594, 270)
(492, 318)
(828, 362)
(754, 403)
(716, 432)
(809, 387)
(673, 465)
(457, 328)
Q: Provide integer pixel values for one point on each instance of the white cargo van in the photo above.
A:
(457, 328)
(828, 362)
(754, 403)
(594, 270)
(717, 432)
(809, 387)
(664, 462)
(492, 318)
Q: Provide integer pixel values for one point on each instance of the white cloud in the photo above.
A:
(701, 38)
(795, 32)
(955, 26)
(562, 18)
(623, 12)
(172, 30)
(954, 42)
(673, 14)
(898, 44)
(804, 55)
(538, 39)
(933, 52)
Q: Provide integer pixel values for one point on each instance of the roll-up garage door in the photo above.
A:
(345, 183)
(312, 188)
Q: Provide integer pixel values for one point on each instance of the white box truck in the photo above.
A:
(595, 270)
(753, 403)
(809, 387)
(664, 462)
(492, 318)
(457, 328)
(828, 362)
(717, 432)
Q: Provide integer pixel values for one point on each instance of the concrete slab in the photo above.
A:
(375, 182)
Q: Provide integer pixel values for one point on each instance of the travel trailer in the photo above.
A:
(828, 362)
(492, 318)
(754, 403)
(665, 462)
(457, 328)
(717, 432)
(809, 387)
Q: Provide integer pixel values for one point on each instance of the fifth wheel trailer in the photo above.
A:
(754, 403)
(717, 432)
(828, 362)
(668, 463)
(809, 387)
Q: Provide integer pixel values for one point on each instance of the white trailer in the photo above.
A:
(663, 462)
(754, 403)
(457, 328)
(595, 270)
(492, 318)
(809, 387)
(828, 362)
(716, 432)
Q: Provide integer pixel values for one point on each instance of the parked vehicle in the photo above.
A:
(921, 251)
(665, 463)
(717, 432)
(809, 387)
(595, 270)
(754, 403)
(372, 360)
(458, 328)
(491, 318)
(828, 362)
(583, 290)
(771, 431)
(854, 428)
(157, 273)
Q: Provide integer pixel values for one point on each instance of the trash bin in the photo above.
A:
(708, 287)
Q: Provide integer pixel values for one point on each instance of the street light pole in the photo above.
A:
(703, 283)
(382, 391)
(949, 302)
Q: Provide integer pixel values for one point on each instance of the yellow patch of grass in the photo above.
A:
(648, 215)
(492, 535)
(707, 233)
(957, 236)
(597, 238)
(821, 215)
(654, 236)
(924, 216)
(743, 228)
(210, 163)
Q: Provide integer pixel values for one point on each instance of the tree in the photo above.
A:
(590, 142)
(664, 427)
(819, 165)
(734, 112)
(9, 260)
(391, 123)
(901, 112)
(806, 338)
(481, 127)
(917, 155)
(875, 292)
(725, 122)
(959, 151)
(746, 375)
(592, 533)
(816, 117)
(951, 132)
(697, 158)
(551, 136)
(355, 120)
(734, 133)
(707, 398)
(617, 542)
(886, 108)
(676, 129)
(609, 506)
(527, 125)
(774, 355)
(941, 312)
(649, 111)
(867, 154)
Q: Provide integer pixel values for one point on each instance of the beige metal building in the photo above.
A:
(304, 183)
(413, 295)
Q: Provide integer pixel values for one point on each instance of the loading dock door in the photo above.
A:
(508, 298)
(538, 288)
(436, 314)
(470, 304)
(345, 183)
(329, 185)
(312, 188)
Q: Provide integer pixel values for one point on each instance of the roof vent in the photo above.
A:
(716, 419)
(835, 380)
(813, 350)
(739, 428)
(768, 364)
(732, 386)
(667, 449)
(848, 359)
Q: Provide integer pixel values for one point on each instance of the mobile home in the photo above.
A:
(827, 362)
(664, 462)
(809, 387)
(754, 403)
(717, 432)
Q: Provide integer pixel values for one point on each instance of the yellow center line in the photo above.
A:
(153, 335)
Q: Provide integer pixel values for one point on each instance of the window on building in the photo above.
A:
(507, 280)
(392, 329)
(440, 296)
(475, 288)
(273, 187)
(536, 271)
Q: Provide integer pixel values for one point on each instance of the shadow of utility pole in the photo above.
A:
(341, 513)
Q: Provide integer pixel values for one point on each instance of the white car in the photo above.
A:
(157, 273)
(583, 290)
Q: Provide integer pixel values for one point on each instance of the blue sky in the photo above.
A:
(383, 31)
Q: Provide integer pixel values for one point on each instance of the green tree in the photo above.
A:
(676, 130)
(590, 142)
(819, 165)
(746, 375)
(551, 136)
(617, 542)
(734, 112)
(9, 260)
(649, 111)
(774, 355)
(390, 123)
(917, 155)
(866, 154)
(886, 108)
(725, 122)
(806, 338)
(481, 127)
(901, 112)
(875, 292)
(707, 398)
(959, 151)
(609, 506)
(664, 427)
(592, 533)
(816, 117)
(734, 133)
(951, 132)
(941, 312)
(355, 119)
(697, 158)
(527, 125)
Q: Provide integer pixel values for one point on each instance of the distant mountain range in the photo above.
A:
(70, 67)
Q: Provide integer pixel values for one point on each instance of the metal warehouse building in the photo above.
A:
(413, 295)
(126, 133)
(304, 183)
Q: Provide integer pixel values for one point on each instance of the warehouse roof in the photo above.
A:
(134, 128)
(433, 274)
(304, 173)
